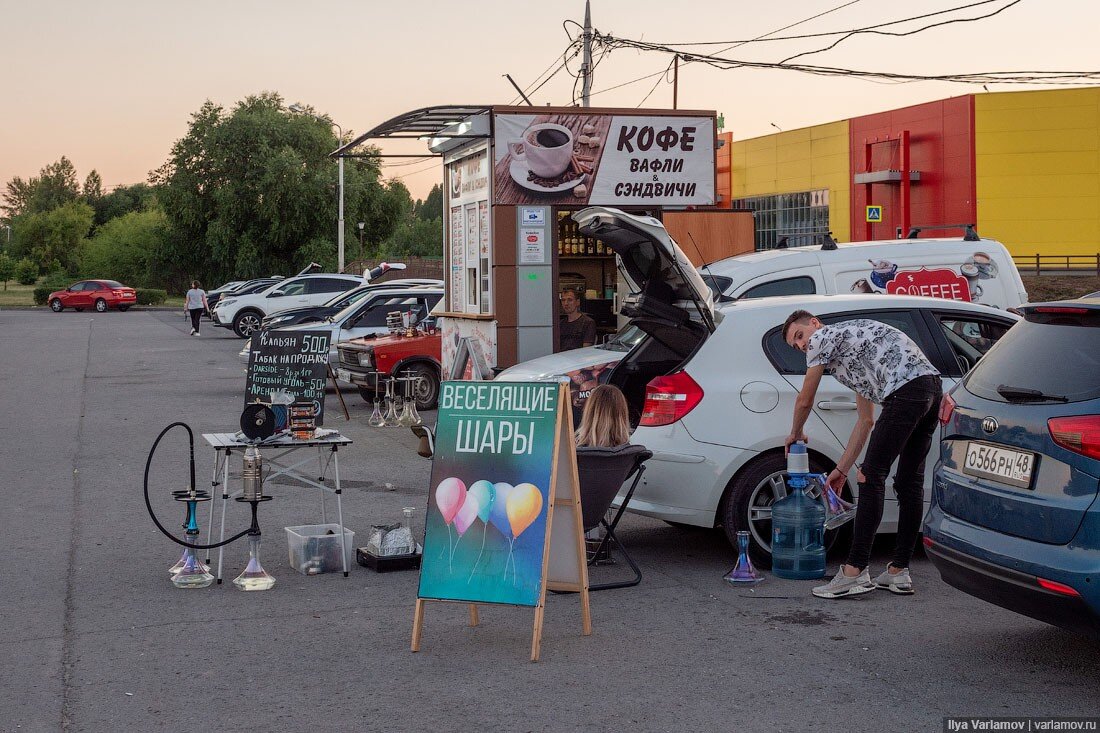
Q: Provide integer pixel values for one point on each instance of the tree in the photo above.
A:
(26, 272)
(415, 238)
(55, 235)
(252, 191)
(7, 269)
(55, 186)
(123, 200)
(93, 187)
(17, 195)
(431, 207)
(128, 248)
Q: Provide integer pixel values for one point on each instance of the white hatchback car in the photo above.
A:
(711, 388)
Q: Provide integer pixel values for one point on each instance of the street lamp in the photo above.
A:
(361, 225)
(298, 108)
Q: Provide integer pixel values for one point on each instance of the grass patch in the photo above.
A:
(16, 294)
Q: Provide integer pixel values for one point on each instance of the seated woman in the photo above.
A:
(605, 421)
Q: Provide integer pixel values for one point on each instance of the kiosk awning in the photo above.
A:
(429, 122)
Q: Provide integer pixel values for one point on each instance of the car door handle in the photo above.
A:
(836, 405)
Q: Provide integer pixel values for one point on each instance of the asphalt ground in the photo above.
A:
(95, 638)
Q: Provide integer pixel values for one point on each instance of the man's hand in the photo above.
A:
(792, 438)
(836, 480)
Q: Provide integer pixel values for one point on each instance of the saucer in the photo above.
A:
(519, 173)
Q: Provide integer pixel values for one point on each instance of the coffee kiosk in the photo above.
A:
(513, 176)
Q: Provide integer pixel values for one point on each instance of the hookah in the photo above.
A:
(409, 415)
(376, 420)
(192, 573)
(838, 512)
(391, 420)
(743, 573)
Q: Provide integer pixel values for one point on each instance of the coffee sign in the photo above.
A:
(616, 160)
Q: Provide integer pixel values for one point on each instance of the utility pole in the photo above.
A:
(586, 62)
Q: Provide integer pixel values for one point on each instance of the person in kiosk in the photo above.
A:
(882, 366)
(576, 329)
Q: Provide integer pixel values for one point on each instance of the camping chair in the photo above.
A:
(602, 473)
(426, 448)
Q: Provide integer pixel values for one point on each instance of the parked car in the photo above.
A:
(711, 388)
(244, 313)
(317, 313)
(248, 287)
(364, 361)
(967, 268)
(98, 294)
(1014, 517)
(366, 316)
(1091, 295)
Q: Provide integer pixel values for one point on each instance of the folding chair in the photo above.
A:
(602, 473)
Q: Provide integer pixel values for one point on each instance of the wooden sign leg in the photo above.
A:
(536, 634)
(418, 624)
(473, 615)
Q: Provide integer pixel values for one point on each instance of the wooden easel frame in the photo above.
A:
(563, 496)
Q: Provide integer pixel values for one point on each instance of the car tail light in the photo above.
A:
(1078, 433)
(947, 406)
(669, 398)
(1057, 587)
(928, 542)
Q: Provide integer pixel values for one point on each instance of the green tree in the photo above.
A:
(26, 272)
(415, 238)
(128, 248)
(17, 196)
(123, 200)
(252, 191)
(55, 186)
(7, 269)
(55, 235)
(93, 187)
(431, 207)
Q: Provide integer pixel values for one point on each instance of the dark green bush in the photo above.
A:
(151, 296)
(41, 293)
(26, 272)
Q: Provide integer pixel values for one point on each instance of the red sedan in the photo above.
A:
(98, 294)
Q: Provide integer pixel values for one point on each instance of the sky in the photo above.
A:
(112, 84)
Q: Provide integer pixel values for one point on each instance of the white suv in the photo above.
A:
(244, 313)
(711, 388)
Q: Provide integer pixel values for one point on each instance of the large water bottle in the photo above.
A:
(798, 524)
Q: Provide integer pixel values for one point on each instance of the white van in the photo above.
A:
(968, 268)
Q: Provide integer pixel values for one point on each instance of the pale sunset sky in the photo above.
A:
(112, 83)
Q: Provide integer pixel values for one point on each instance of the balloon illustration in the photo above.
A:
(523, 505)
(467, 513)
(498, 512)
(484, 493)
(449, 497)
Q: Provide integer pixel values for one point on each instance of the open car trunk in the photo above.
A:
(669, 302)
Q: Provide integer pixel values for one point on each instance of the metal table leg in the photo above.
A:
(213, 488)
(321, 480)
(225, 500)
(340, 510)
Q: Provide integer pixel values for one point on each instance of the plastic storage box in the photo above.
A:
(315, 548)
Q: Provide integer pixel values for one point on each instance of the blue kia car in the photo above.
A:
(1014, 517)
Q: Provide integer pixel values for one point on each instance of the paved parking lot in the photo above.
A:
(96, 638)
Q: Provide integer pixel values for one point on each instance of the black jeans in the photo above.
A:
(196, 314)
(903, 431)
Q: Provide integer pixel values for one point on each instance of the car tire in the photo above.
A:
(369, 395)
(56, 306)
(123, 308)
(748, 500)
(425, 391)
(100, 305)
(247, 323)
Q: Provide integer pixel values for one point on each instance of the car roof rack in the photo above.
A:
(829, 243)
(971, 234)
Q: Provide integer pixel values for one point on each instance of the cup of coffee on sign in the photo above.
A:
(970, 271)
(546, 148)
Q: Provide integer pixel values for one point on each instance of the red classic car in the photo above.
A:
(98, 294)
(366, 361)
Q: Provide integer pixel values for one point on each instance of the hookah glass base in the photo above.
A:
(743, 573)
(254, 576)
(193, 574)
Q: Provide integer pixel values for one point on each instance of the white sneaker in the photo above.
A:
(192, 332)
(900, 583)
(841, 585)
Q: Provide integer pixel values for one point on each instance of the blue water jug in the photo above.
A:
(798, 524)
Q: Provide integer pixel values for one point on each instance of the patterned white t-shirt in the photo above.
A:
(869, 357)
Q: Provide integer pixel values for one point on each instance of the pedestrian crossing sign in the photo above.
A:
(874, 214)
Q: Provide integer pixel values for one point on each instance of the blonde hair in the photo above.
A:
(605, 422)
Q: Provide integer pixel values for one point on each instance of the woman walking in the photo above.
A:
(195, 304)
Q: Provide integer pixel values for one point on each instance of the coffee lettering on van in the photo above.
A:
(938, 283)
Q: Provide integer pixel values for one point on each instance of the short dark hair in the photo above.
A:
(575, 291)
(797, 317)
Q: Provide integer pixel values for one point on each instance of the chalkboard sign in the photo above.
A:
(295, 362)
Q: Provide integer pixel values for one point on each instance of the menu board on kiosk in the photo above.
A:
(468, 256)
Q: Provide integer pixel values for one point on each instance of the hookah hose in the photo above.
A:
(149, 505)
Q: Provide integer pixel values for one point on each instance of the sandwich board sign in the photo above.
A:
(503, 524)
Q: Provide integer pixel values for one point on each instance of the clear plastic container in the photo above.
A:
(315, 548)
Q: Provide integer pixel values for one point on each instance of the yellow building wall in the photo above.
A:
(797, 160)
(1038, 170)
